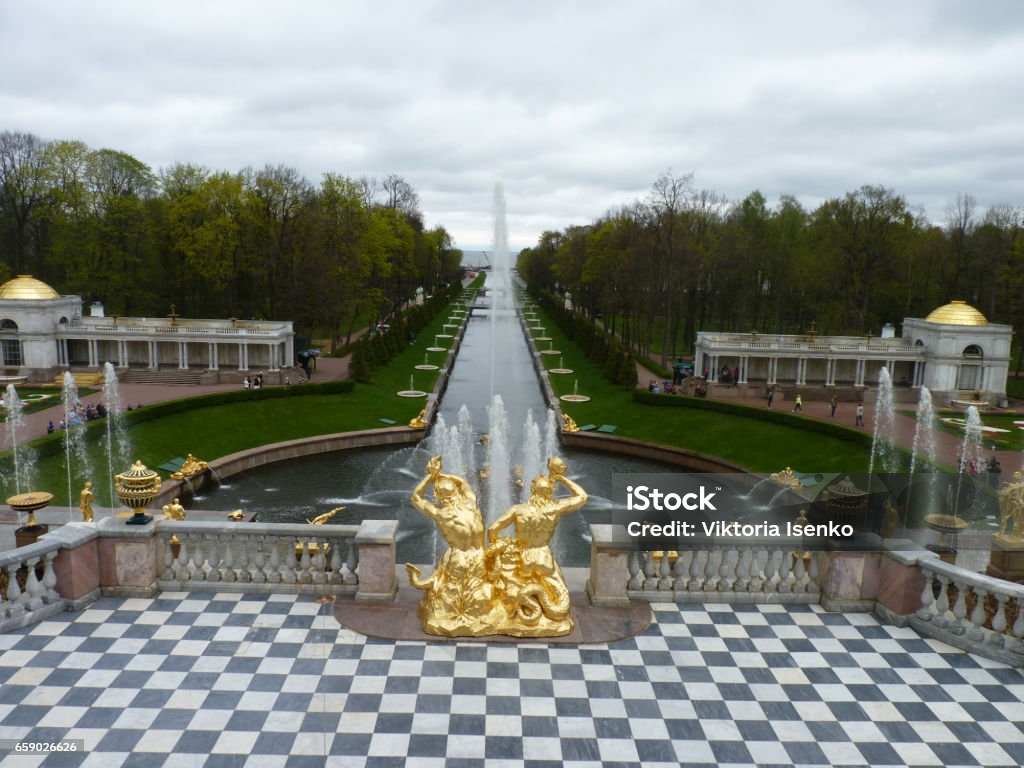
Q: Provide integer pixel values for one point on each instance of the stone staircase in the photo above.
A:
(160, 376)
(82, 379)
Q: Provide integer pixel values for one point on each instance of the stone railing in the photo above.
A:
(73, 565)
(258, 557)
(28, 585)
(816, 344)
(968, 610)
(752, 572)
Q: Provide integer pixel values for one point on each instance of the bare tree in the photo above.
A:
(23, 190)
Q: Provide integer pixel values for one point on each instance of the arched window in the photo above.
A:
(918, 343)
(969, 375)
(62, 321)
(8, 325)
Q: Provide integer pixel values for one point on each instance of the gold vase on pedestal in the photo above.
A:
(137, 488)
(29, 503)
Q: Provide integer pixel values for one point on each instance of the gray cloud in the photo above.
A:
(574, 106)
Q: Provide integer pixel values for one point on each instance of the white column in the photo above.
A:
(713, 372)
(271, 357)
(243, 357)
(289, 352)
(698, 360)
(182, 355)
(744, 363)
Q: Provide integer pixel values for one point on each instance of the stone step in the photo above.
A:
(143, 376)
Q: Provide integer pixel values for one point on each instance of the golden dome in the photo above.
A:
(27, 287)
(957, 313)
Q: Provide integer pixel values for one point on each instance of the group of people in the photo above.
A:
(833, 404)
(256, 382)
(80, 415)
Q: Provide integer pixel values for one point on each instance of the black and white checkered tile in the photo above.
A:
(222, 681)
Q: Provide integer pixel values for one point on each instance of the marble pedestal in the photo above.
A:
(1007, 561)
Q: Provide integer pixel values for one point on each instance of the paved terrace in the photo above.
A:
(229, 680)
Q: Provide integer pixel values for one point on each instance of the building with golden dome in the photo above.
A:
(955, 352)
(43, 334)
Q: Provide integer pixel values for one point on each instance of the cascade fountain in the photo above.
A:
(118, 446)
(923, 451)
(883, 453)
(23, 461)
(74, 435)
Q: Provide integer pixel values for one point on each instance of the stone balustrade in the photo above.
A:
(28, 585)
(769, 572)
(972, 611)
(257, 557)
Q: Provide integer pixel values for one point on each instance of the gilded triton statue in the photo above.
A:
(514, 587)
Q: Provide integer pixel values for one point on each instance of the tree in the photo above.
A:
(23, 191)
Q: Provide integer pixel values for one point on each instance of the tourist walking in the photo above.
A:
(834, 403)
(245, 383)
(860, 415)
(771, 397)
(798, 405)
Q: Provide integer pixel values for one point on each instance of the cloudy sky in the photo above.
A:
(574, 106)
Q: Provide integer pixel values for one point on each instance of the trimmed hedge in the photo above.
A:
(762, 414)
(51, 445)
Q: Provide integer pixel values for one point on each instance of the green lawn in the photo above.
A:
(41, 398)
(757, 445)
(1012, 440)
(213, 431)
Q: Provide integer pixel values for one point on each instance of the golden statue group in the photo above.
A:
(498, 585)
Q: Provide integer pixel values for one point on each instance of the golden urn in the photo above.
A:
(30, 502)
(137, 488)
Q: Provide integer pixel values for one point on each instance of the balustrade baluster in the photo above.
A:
(633, 566)
(352, 563)
(712, 570)
(785, 573)
(942, 604)
(681, 568)
(169, 572)
(320, 563)
(976, 631)
(773, 577)
(180, 564)
(799, 573)
(196, 558)
(960, 609)
(664, 572)
(15, 599)
(289, 560)
(650, 582)
(50, 595)
(228, 563)
(305, 564)
(244, 575)
(211, 566)
(33, 588)
(730, 560)
(812, 575)
(758, 563)
(269, 544)
(256, 561)
(742, 583)
(999, 620)
(1018, 624)
(337, 564)
(927, 610)
(700, 560)
(274, 576)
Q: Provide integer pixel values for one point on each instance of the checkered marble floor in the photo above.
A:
(226, 680)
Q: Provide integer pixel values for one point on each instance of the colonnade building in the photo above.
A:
(954, 352)
(43, 334)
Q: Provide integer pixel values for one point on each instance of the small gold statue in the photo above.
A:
(236, 516)
(192, 466)
(786, 478)
(514, 586)
(85, 502)
(890, 520)
(173, 511)
(420, 421)
(568, 425)
(1011, 505)
(321, 519)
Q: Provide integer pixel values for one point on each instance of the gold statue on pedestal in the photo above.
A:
(85, 501)
(173, 511)
(192, 466)
(514, 586)
(420, 420)
(568, 424)
(1011, 507)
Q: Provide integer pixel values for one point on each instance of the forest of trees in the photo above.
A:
(685, 259)
(265, 244)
